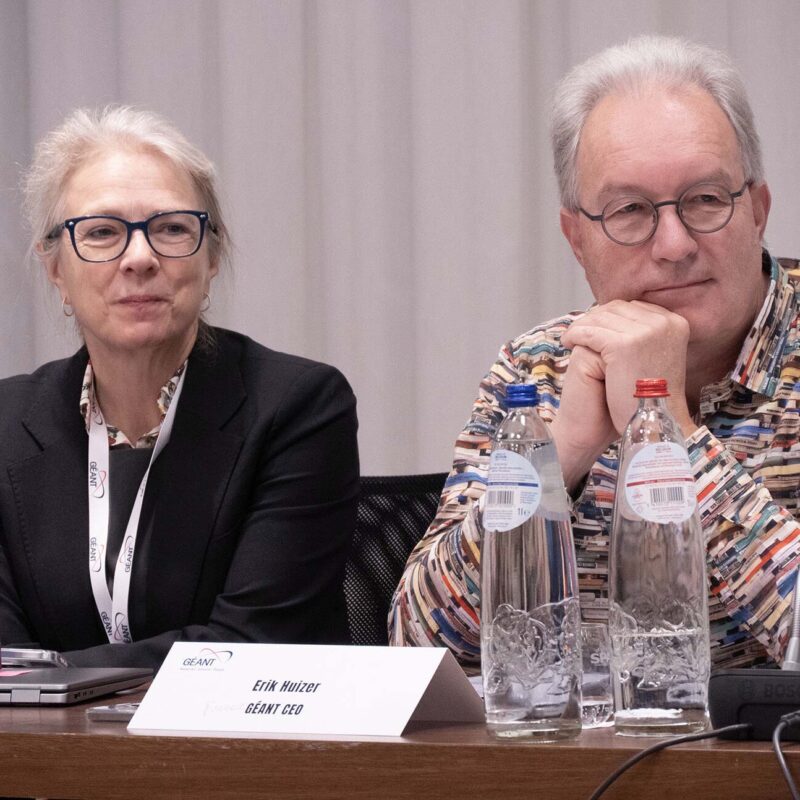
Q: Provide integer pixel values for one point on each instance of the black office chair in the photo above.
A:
(393, 513)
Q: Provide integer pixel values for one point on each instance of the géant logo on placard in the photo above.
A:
(208, 658)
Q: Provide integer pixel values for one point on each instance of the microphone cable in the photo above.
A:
(787, 720)
(691, 737)
(791, 661)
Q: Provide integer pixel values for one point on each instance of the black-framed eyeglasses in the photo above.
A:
(103, 237)
(632, 219)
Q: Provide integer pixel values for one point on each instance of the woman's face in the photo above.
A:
(141, 299)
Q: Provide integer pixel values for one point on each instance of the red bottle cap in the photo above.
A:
(651, 387)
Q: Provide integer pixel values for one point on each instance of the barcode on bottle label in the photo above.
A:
(497, 497)
(663, 495)
(659, 485)
(513, 491)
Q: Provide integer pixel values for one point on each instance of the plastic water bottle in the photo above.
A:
(530, 615)
(658, 601)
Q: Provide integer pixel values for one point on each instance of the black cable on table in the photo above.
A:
(690, 737)
(787, 720)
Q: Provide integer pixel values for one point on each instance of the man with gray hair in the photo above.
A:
(664, 205)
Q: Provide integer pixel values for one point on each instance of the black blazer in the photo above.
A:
(246, 520)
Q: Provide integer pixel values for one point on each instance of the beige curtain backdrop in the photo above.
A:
(385, 165)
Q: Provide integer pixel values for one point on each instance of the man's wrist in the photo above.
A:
(574, 462)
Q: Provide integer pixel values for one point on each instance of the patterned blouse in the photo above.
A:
(116, 438)
(746, 462)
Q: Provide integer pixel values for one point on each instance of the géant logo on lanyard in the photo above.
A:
(113, 610)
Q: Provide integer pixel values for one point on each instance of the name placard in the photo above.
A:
(259, 689)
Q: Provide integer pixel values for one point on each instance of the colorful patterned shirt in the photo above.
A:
(746, 462)
(116, 438)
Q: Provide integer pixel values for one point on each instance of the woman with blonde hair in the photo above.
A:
(170, 481)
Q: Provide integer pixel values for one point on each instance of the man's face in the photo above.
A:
(656, 144)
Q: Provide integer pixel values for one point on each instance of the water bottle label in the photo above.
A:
(659, 486)
(513, 492)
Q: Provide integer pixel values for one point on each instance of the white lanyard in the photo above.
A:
(114, 610)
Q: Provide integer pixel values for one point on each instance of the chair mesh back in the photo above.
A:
(393, 513)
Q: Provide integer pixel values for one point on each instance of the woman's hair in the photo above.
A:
(87, 132)
(641, 63)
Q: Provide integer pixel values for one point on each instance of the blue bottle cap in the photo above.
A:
(519, 395)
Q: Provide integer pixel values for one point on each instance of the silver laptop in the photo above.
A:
(65, 685)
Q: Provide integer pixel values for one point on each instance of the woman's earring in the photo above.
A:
(66, 308)
(207, 301)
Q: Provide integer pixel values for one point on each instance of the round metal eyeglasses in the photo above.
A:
(102, 237)
(631, 219)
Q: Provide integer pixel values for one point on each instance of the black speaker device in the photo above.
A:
(759, 697)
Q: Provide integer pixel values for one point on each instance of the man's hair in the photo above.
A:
(89, 132)
(647, 61)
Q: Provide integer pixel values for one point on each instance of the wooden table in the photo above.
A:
(58, 753)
